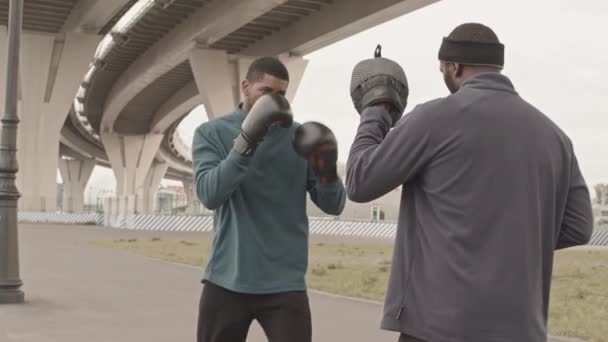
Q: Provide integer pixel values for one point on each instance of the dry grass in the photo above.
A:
(579, 295)
(579, 300)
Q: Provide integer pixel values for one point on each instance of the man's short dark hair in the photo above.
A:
(267, 65)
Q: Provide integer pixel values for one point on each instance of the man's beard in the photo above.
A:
(452, 87)
(250, 102)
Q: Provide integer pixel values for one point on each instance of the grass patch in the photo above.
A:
(349, 269)
(185, 252)
(579, 296)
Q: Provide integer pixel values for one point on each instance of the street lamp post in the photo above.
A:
(10, 282)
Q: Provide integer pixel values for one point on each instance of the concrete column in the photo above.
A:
(131, 158)
(51, 69)
(150, 188)
(296, 65)
(242, 66)
(75, 174)
(214, 78)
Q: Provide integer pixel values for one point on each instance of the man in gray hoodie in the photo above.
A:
(491, 188)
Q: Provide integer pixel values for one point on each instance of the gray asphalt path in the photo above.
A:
(77, 292)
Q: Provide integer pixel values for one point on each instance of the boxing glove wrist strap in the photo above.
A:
(243, 147)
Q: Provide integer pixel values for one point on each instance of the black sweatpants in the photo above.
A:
(225, 316)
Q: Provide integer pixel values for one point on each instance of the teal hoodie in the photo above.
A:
(260, 226)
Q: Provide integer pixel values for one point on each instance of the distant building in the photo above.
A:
(165, 202)
(600, 214)
(181, 198)
(171, 199)
(600, 205)
(60, 187)
(601, 194)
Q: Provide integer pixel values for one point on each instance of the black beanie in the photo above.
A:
(472, 44)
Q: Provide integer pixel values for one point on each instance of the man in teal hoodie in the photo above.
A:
(257, 187)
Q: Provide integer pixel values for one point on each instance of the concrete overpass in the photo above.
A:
(59, 38)
(107, 82)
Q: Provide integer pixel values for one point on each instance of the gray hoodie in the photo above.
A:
(491, 188)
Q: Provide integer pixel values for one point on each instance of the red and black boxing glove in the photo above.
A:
(317, 143)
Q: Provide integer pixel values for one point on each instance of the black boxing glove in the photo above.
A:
(317, 143)
(268, 110)
(379, 81)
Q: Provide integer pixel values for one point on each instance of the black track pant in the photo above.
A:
(225, 316)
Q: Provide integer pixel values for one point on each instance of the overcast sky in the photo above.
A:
(556, 55)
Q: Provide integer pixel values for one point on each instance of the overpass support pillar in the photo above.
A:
(51, 69)
(131, 157)
(219, 80)
(75, 174)
(242, 65)
(296, 65)
(150, 188)
(214, 78)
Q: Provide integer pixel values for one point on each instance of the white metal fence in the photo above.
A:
(184, 223)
